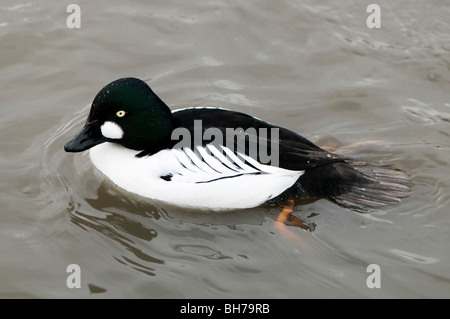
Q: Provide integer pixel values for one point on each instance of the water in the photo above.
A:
(313, 68)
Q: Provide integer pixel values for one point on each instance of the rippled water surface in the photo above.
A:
(311, 66)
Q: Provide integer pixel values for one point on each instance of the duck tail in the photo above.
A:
(359, 185)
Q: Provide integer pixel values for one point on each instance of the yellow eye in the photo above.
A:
(121, 113)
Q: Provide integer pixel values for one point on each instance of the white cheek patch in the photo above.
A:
(111, 130)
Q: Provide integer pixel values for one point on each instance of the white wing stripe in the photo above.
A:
(237, 161)
(254, 162)
(213, 162)
(186, 161)
(197, 160)
(225, 161)
(267, 168)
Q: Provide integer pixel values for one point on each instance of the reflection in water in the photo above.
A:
(93, 289)
(200, 250)
(123, 229)
(119, 216)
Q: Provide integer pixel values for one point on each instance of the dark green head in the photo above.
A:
(126, 112)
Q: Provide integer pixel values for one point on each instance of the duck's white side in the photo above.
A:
(206, 180)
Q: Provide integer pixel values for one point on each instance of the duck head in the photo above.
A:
(126, 112)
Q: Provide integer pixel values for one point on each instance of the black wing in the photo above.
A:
(293, 151)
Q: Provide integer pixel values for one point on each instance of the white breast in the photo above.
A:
(211, 179)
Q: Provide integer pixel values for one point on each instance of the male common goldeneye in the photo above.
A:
(217, 159)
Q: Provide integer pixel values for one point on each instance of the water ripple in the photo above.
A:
(414, 257)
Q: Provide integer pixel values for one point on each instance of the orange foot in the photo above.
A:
(287, 219)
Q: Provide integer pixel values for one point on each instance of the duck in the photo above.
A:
(217, 159)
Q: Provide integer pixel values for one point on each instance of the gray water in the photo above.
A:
(311, 66)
